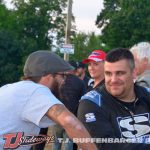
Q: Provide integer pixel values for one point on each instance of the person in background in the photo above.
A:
(119, 110)
(72, 90)
(28, 105)
(81, 73)
(141, 52)
(95, 63)
(75, 65)
(70, 93)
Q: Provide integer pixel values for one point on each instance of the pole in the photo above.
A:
(68, 27)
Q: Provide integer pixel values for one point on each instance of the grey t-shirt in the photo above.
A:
(22, 109)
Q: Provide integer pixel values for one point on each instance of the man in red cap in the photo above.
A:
(95, 63)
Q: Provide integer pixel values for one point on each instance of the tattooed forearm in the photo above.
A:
(56, 110)
(61, 115)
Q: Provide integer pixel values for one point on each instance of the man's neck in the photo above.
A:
(130, 98)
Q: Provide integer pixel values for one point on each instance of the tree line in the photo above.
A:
(36, 24)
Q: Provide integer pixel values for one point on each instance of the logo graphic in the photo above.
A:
(90, 117)
(14, 140)
(135, 126)
(96, 53)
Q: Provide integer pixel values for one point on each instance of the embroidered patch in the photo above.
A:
(90, 117)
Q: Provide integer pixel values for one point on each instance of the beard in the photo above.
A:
(56, 89)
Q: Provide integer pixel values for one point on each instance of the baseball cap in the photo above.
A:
(42, 62)
(96, 55)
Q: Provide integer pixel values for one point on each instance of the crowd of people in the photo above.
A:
(106, 96)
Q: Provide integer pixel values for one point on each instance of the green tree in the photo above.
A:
(9, 58)
(38, 20)
(9, 47)
(28, 27)
(124, 22)
(6, 18)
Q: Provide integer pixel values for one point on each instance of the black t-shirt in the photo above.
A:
(71, 92)
(86, 80)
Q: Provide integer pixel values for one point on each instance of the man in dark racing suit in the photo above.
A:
(117, 114)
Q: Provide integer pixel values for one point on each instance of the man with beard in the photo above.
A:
(118, 112)
(70, 94)
(44, 131)
(28, 105)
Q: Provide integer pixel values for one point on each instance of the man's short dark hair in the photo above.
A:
(81, 65)
(73, 63)
(120, 54)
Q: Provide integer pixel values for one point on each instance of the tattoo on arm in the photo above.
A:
(61, 115)
(56, 110)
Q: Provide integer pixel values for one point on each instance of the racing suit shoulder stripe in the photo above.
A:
(148, 89)
(93, 96)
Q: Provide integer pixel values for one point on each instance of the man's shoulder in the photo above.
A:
(147, 89)
(74, 82)
(29, 87)
(30, 84)
(74, 78)
(142, 91)
(144, 79)
(140, 88)
(92, 96)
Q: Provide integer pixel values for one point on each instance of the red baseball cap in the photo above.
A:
(96, 55)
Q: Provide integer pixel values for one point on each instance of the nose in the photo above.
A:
(114, 78)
